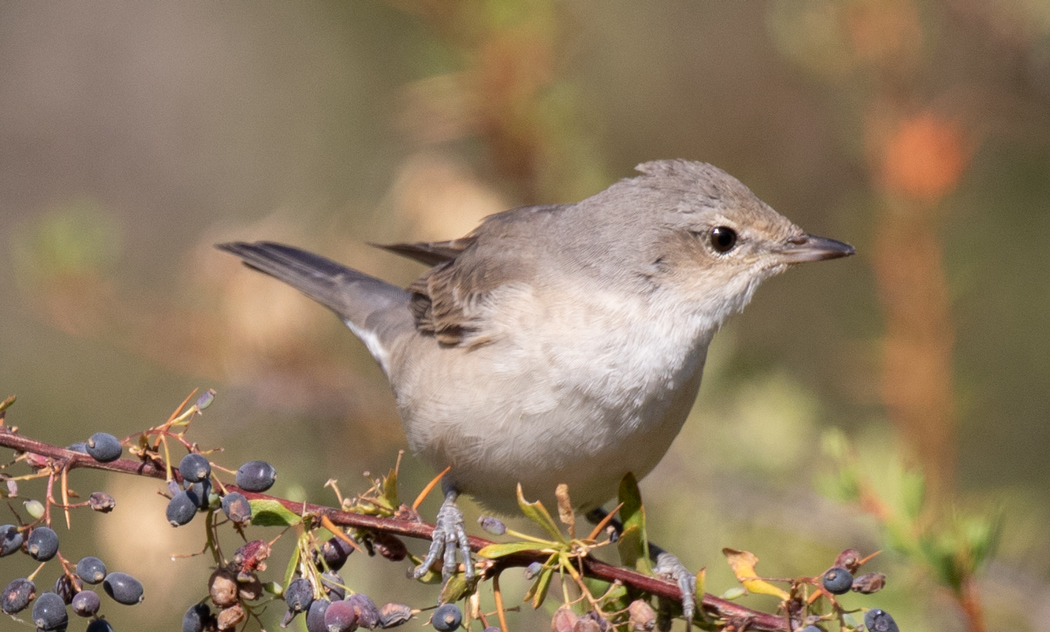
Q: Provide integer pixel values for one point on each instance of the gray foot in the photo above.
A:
(449, 536)
(669, 567)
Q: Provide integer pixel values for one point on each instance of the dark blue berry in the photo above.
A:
(299, 595)
(878, 620)
(42, 544)
(181, 509)
(494, 526)
(236, 507)
(17, 596)
(256, 476)
(335, 550)
(200, 492)
(194, 468)
(67, 587)
(315, 616)
(86, 603)
(123, 588)
(197, 618)
(340, 617)
(91, 569)
(99, 625)
(101, 502)
(446, 618)
(49, 612)
(838, 581)
(333, 584)
(10, 539)
(104, 447)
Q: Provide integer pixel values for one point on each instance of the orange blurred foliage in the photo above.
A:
(924, 157)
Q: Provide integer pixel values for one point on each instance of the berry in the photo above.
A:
(335, 551)
(200, 492)
(256, 476)
(364, 610)
(838, 581)
(10, 539)
(17, 596)
(86, 603)
(533, 570)
(99, 625)
(101, 502)
(42, 544)
(494, 526)
(206, 399)
(123, 588)
(49, 612)
(869, 583)
(394, 614)
(181, 508)
(104, 447)
(222, 588)
(35, 508)
(878, 620)
(446, 618)
(315, 616)
(333, 584)
(194, 468)
(67, 587)
(236, 507)
(230, 618)
(91, 569)
(340, 617)
(198, 618)
(299, 595)
(389, 546)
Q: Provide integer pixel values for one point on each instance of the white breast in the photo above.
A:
(580, 387)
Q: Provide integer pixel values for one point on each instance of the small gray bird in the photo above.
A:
(561, 343)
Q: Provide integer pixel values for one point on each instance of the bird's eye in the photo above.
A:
(723, 238)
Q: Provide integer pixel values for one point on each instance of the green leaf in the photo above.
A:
(538, 592)
(293, 563)
(632, 513)
(735, 592)
(390, 490)
(270, 513)
(537, 513)
(454, 589)
(494, 551)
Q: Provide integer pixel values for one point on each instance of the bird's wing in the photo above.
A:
(450, 301)
(430, 253)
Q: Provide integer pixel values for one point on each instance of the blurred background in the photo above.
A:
(134, 136)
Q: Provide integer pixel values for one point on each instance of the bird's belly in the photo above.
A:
(533, 428)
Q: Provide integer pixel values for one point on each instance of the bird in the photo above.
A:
(559, 343)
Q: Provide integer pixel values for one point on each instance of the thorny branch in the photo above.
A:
(63, 459)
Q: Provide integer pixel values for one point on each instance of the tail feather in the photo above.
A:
(375, 310)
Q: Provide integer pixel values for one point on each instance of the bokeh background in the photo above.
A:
(133, 136)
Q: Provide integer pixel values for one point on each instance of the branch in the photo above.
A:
(715, 607)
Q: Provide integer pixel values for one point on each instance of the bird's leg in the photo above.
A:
(449, 536)
(666, 566)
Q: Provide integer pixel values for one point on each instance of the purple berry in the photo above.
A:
(123, 588)
(17, 596)
(86, 603)
(340, 617)
(104, 447)
(91, 569)
(256, 476)
(49, 612)
(838, 581)
(10, 539)
(42, 544)
(181, 509)
(194, 468)
(446, 618)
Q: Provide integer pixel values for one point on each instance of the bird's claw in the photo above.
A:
(450, 536)
(671, 568)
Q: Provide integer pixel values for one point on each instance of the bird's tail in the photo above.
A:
(376, 311)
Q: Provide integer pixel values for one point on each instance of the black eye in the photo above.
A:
(723, 238)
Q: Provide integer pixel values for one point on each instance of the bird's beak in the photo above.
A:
(812, 248)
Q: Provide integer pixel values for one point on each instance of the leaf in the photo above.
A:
(701, 581)
(454, 589)
(629, 544)
(565, 512)
(743, 564)
(270, 513)
(389, 496)
(538, 592)
(632, 512)
(537, 513)
(293, 563)
(735, 592)
(503, 549)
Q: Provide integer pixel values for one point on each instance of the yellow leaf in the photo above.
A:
(743, 564)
